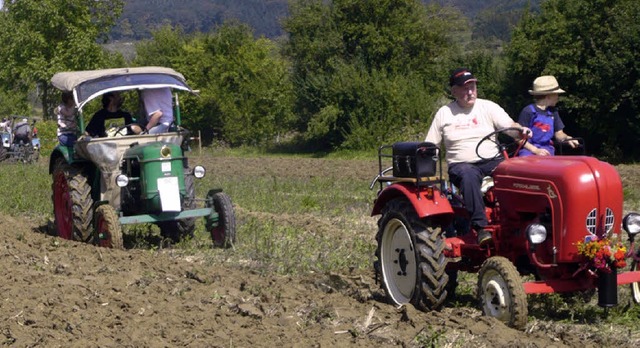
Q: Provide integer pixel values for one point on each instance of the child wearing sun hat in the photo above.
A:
(543, 119)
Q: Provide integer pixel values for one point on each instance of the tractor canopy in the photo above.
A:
(89, 84)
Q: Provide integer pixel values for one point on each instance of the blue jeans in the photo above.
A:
(67, 139)
(160, 128)
(468, 178)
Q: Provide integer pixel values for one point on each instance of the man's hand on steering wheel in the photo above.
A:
(131, 129)
(518, 137)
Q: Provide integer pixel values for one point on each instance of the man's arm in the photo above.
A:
(154, 117)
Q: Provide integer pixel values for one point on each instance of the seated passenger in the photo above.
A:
(543, 119)
(111, 104)
(67, 125)
(158, 107)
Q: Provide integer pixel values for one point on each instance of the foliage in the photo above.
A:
(40, 38)
(365, 72)
(246, 94)
(47, 132)
(141, 18)
(592, 47)
(163, 49)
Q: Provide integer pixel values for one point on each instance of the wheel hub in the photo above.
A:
(399, 272)
(402, 262)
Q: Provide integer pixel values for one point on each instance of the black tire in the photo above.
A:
(411, 258)
(223, 233)
(108, 232)
(35, 156)
(180, 229)
(72, 202)
(501, 293)
(635, 287)
(3, 153)
(28, 154)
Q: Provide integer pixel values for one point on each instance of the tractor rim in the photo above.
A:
(496, 296)
(63, 212)
(635, 287)
(104, 236)
(398, 262)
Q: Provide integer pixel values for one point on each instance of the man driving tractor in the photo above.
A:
(461, 124)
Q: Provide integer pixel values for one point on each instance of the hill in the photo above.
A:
(140, 17)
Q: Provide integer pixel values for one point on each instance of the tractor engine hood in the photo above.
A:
(107, 153)
(582, 194)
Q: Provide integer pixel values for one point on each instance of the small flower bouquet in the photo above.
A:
(603, 254)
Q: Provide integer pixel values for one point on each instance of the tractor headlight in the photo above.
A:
(536, 233)
(122, 180)
(198, 172)
(631, 223)
(165, 151)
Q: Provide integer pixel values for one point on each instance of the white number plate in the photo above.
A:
(169, 193)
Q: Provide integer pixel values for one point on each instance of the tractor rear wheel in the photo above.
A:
(224, 233)
(72, 202)
(411, 258)
(635, 287)
(179, 229)
(501, 293)
(108, 230)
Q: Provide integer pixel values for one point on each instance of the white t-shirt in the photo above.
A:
(158, 100)
(462, 129)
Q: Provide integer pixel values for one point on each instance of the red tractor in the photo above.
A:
(549, 217)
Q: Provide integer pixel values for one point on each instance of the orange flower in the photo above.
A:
(603, 254)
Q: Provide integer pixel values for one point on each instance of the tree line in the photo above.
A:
(348, 74)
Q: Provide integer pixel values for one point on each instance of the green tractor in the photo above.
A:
(102, 183)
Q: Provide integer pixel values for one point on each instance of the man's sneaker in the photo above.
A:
(484, 237)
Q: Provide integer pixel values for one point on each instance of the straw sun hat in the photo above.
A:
(544, 85)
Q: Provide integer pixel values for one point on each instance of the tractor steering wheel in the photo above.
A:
(118, 131)
(508, 140)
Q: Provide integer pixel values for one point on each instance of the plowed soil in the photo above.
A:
(59, 293)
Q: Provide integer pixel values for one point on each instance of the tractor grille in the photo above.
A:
(609, 219)
(591, 221)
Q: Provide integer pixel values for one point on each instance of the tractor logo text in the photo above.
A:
(551, 193)
(526, 186)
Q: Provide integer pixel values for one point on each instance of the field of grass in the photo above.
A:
(296, 215)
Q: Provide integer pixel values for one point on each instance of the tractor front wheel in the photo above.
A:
(108, 230)
(72, 202)
(411, 258)
(501, 293)
(223, 233)
(635, 287)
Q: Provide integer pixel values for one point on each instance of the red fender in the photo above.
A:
(427, 201)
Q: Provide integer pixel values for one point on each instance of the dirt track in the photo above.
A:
(57, 293)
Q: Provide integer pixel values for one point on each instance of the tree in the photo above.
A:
(41, 37)
(593, 48)
(245, 95)
(368, 71)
